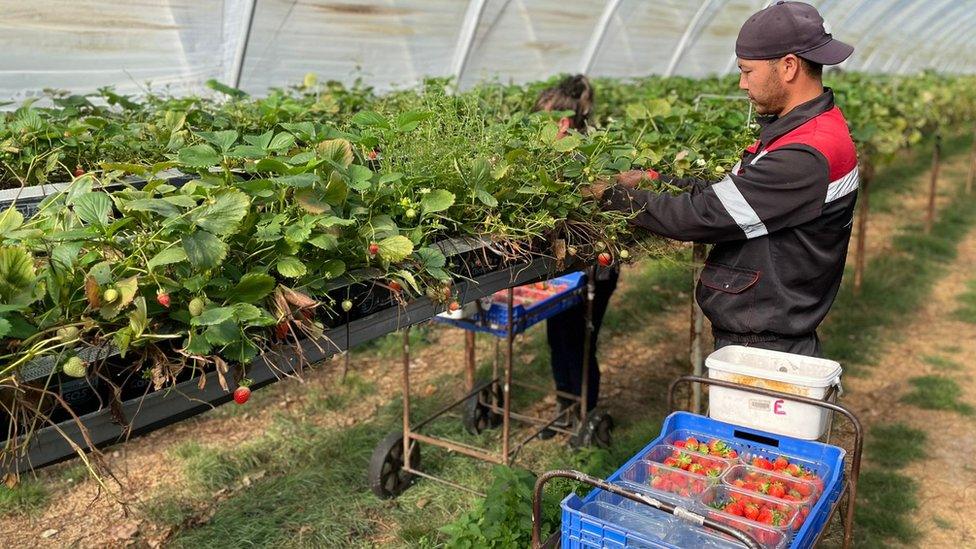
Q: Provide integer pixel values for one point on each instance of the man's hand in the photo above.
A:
(632, 178)
(595, 190)
(629, 179)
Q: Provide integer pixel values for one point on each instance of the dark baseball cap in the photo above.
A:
(790, 27)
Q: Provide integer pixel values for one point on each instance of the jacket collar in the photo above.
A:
(772, 127)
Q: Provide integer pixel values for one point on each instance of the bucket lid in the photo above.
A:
(775, 365)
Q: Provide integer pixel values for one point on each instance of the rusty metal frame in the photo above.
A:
(412, 434)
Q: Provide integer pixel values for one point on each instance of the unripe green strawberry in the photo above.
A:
(196, 306)
(110, 295)
(68, 333)
(411, 213)
(74, 367)
(346, 305)
(624, 254)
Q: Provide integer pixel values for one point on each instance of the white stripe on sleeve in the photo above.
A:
(843, 186)
(745, 217)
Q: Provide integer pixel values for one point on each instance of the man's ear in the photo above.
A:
(791, 67)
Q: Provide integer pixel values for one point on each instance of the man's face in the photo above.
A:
(761, 79)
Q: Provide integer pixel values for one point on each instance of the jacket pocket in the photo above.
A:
(728, 297)
(730, 280)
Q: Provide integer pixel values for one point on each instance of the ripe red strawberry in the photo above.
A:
(657, 482)
(395, 287)
(739, 483)
(717, 447)
(735, 508)
(79, 171)
(604, 259)
(750, 511)
(804, 489)
(794, 470)
(762, 463)
(732, 454)
(281, 329)
(692, 442)
(163, 298)
(453, 306)
(777, 490)
(696, 468)
(679, 444)
(780, 463)
(671, 462)
(241, 394)
(765, 516)
(374, 248)
(372, 154)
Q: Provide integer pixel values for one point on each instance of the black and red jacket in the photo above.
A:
(780, 222)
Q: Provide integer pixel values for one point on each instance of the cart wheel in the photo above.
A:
(387, 479)
(477, 415)
(596, 432)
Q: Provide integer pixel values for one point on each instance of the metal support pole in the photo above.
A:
(863, 209)
(241, 53)
(469, 363)
(972, 166)
(469, 29)
(697, 351)
(589, 54)
(934, 185)
(507, 389)
(406, 395)
(587, 345)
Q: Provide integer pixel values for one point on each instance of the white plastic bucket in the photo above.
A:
(784, 372)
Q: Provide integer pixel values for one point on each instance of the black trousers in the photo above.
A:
(804, 345)
(567, 332)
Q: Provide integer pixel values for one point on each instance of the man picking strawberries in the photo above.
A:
(781, 219)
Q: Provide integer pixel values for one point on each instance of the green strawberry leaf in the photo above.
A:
(437, 200)
(198, 156)
(204, 250)
(290, 266)
(252, 288)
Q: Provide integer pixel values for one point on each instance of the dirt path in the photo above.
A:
(947, 478)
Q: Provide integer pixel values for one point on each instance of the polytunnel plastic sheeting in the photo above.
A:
(386, 43)
(84, 44)
(522, 40)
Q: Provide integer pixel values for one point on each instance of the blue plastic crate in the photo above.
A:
(830, 460)
(495, 320)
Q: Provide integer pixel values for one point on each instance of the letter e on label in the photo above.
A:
(778, 407)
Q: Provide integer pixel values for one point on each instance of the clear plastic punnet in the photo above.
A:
(693, 462)
(673, 485)
(767, 520)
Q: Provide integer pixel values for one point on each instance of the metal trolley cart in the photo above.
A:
(487, 403)
(840, 467)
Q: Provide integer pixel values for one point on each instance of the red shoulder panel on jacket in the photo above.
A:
(829, 134)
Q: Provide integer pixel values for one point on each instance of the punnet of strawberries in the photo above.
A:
(784, 466)
(682, 483)
(688, 461)
(771, 484)
(713, 447)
